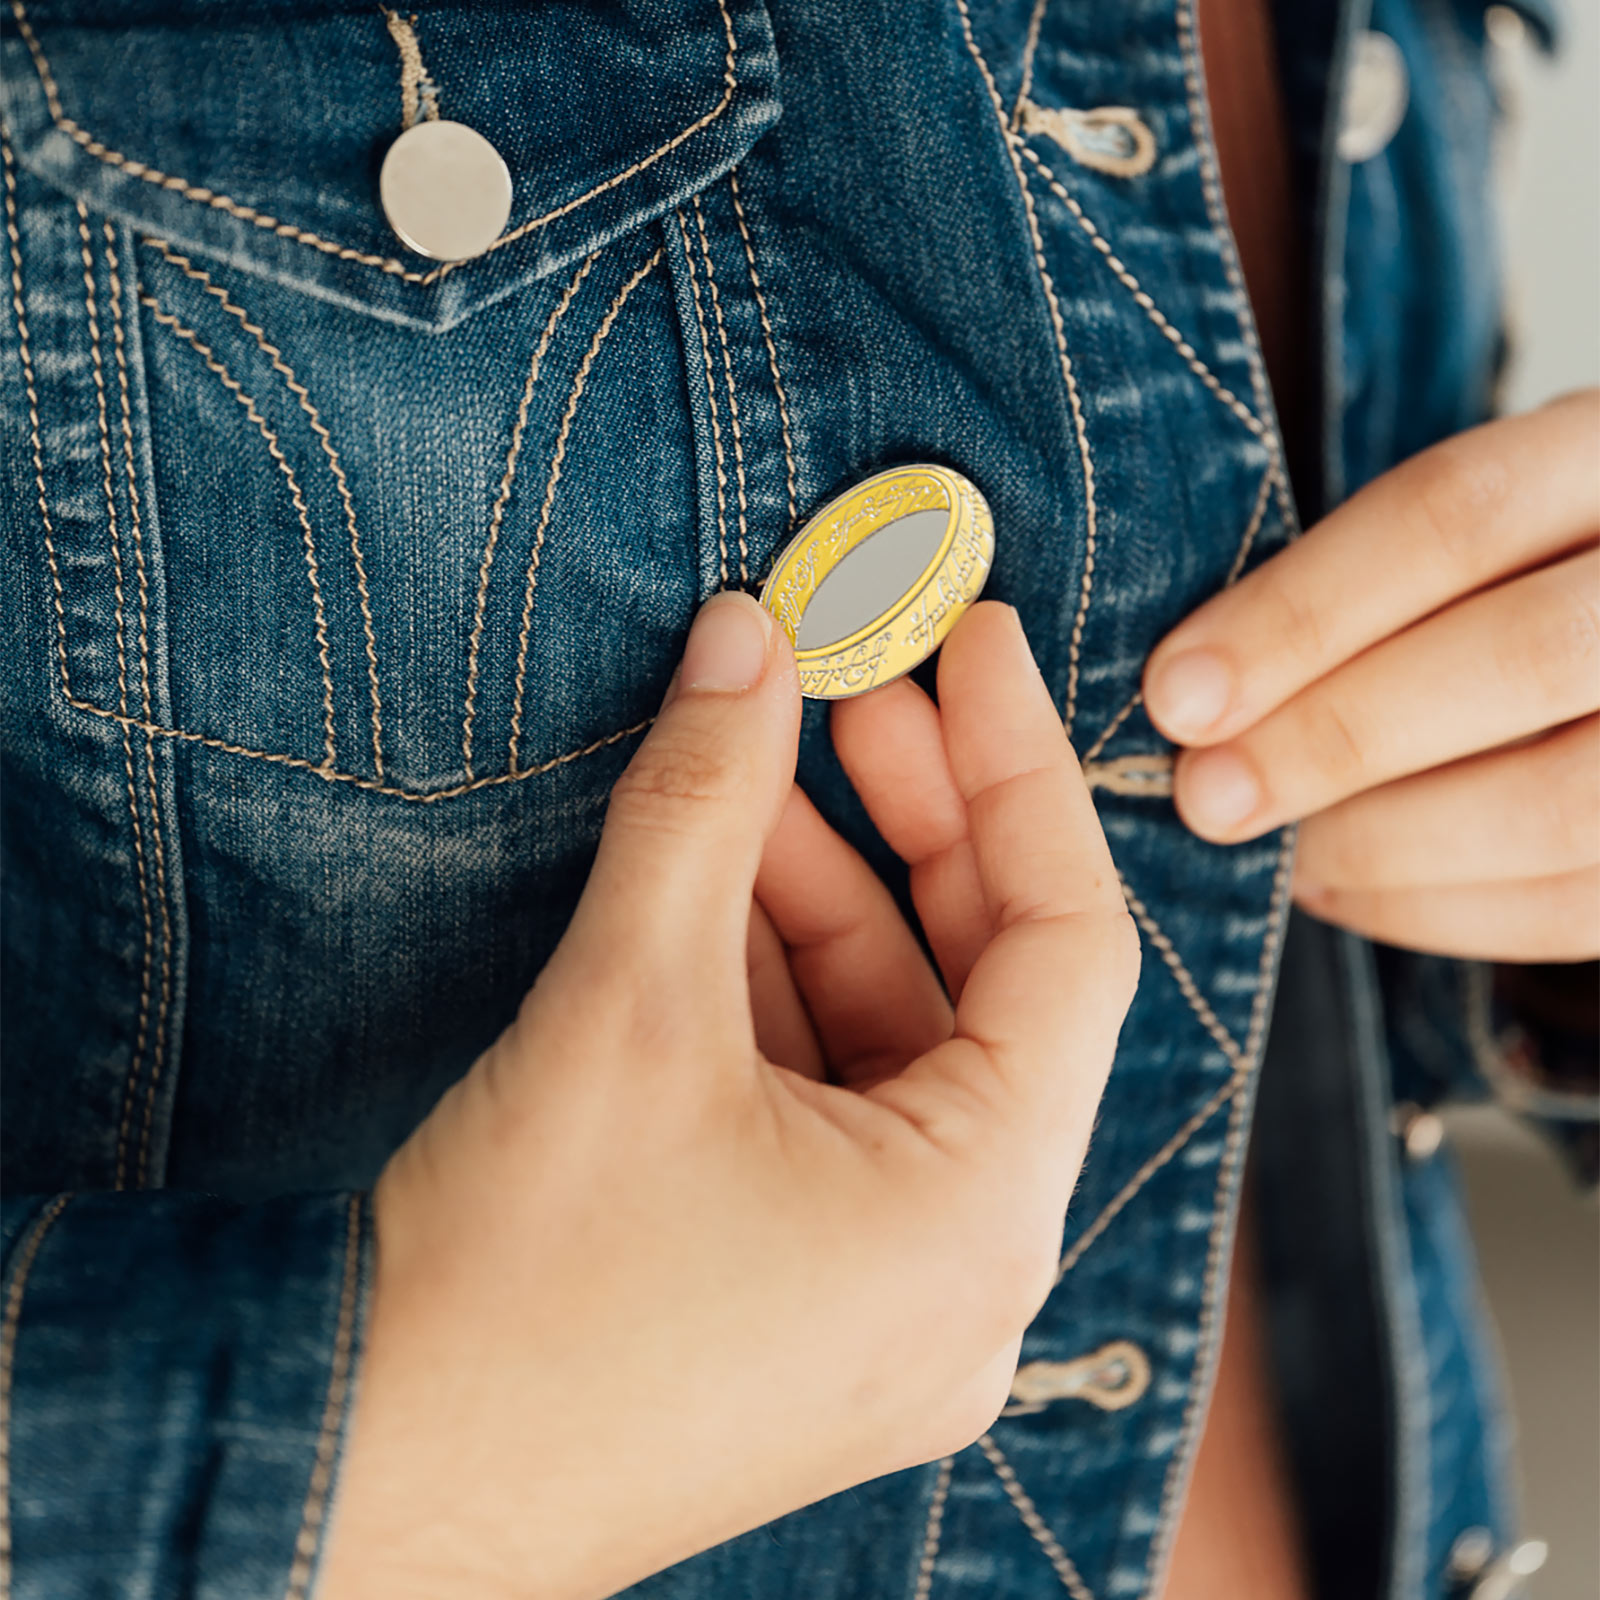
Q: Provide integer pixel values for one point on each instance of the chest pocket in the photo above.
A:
(306, 495)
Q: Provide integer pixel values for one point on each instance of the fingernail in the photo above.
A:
(1188, 693)
(1219, 791)
(727, 648)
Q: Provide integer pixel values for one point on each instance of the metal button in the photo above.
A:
(1421, 1132)
(1506, 1577)
(1376, 94)
(445, 190)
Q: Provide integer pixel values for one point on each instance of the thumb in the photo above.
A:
(690, 816)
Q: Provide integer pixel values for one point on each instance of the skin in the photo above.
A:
(1416, 681)
(802, 1146)
(643, 1280)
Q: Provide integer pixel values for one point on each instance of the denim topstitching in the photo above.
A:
(502, 497)
(286, 230)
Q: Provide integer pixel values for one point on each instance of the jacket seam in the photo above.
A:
(333, 1414)
(386, 264)
(27, 1254)
(279, 365)
(1074, 401)
(733, 394)
(767, 336)
(579, 385)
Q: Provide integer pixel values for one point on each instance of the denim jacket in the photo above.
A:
(340, 585)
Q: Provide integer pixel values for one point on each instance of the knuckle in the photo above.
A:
(671, 777)
(1461, 486)
(1335, 749)
(1558, 655)
(1569, 801)
(1297, 621)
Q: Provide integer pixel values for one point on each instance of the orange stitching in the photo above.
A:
(333, 1410)
(155, 730)
(142, 1032)
(15, 239)
(1067, 125)
(497, 515)
(1030, 46)
(232, 385)
(1243, 1068)
(285, 230)
(1131, 775)
(1214, 1295)
(1240, 556)
(1126, 278)
(417, 88)
(1147, 1170)
(576, 394)
(333, 775)
(711, 397)
(933, 1530)
(1259, 1013)
(1071, 1579)
(1216, 209)
(1133, 701)
(26, 1255)
(766, 334)
(159, 848)
(314, 417)
(1190, 989)
(1074, 401)
(1252, 527)
(733, 394)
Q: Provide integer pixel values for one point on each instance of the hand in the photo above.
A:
(1417, 678)
(639, 1289)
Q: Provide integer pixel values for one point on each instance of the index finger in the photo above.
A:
(1487, 503)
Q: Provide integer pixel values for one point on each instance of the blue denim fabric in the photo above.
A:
(341, 585)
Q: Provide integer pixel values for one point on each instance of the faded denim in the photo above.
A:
(340, 587)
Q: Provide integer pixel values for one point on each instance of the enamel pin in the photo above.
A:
(871, 585)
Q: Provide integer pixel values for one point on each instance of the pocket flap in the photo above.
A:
(257, 137)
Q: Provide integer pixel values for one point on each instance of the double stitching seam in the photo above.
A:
(1030, 47)
(579, 383)
(1213, 1296)
(733, 393)
(1074, 400)
(286, 230)
(15, 240)
(147, 960)
(136, 527)
(26, 1254)
(502, 497)
(371, 786)
(766, 334)
(933, 1530)
(1242, 554)
(275, 450)
(155, 730)
(333, 1411)
(1071, 1579)
(1125, 277)
(275, 356)
(711, 397)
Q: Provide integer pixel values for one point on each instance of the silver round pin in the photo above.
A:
(445, 190)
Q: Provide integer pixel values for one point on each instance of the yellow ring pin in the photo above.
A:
(871, 585)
